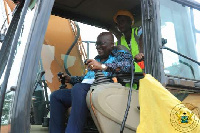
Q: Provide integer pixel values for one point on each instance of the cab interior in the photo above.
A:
(97, 13)
(100, 14)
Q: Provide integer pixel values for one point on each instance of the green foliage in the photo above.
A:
(6, 109)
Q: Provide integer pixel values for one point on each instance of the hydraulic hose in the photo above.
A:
(129, 97)
(70, 49)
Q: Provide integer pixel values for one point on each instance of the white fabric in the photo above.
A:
(88, 81)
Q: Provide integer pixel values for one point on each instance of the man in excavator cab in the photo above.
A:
(109, 61)
(131, 37)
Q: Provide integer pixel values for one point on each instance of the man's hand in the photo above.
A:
(65, 76)
(94, 65)
(139, 57)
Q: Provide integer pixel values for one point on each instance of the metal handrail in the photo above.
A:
(88, 46)
(184, 56)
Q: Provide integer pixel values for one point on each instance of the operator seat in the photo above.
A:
(107, 103)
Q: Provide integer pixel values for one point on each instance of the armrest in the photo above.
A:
(126, 78)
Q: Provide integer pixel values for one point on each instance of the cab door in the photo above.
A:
(20, 71)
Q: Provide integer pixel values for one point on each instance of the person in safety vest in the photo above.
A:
(131, 37)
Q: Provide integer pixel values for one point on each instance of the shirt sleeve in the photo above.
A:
(121, 64)
(76, 79)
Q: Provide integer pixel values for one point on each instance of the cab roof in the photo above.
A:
(98, 13)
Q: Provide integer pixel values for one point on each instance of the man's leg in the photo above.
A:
(60, 101)
(79, 110)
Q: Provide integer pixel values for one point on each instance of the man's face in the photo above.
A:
(124, 23)
(104, 45)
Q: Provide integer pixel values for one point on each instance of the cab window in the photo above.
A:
(180, 27)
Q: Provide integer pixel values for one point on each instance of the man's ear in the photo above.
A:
(112, 45)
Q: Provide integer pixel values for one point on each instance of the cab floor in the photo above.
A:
(40, 129)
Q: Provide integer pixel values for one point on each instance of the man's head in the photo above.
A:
(104, 44)
(124, 20)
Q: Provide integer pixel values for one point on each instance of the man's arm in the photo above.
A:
(122, 63)
(76, 79)
(138, 37)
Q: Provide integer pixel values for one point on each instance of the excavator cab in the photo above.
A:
(43, 35)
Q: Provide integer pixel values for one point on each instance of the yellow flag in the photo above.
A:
(162, 112)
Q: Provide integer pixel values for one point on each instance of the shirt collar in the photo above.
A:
(113, 53)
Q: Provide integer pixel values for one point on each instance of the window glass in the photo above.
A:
(197, 1)
(14, 73)
(180, 26)
(5, 18)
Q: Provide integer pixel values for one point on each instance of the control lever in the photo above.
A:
(62, 80)
(85, 62)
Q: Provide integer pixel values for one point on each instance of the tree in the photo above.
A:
(6, 109)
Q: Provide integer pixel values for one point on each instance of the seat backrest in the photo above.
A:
(107, 103)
